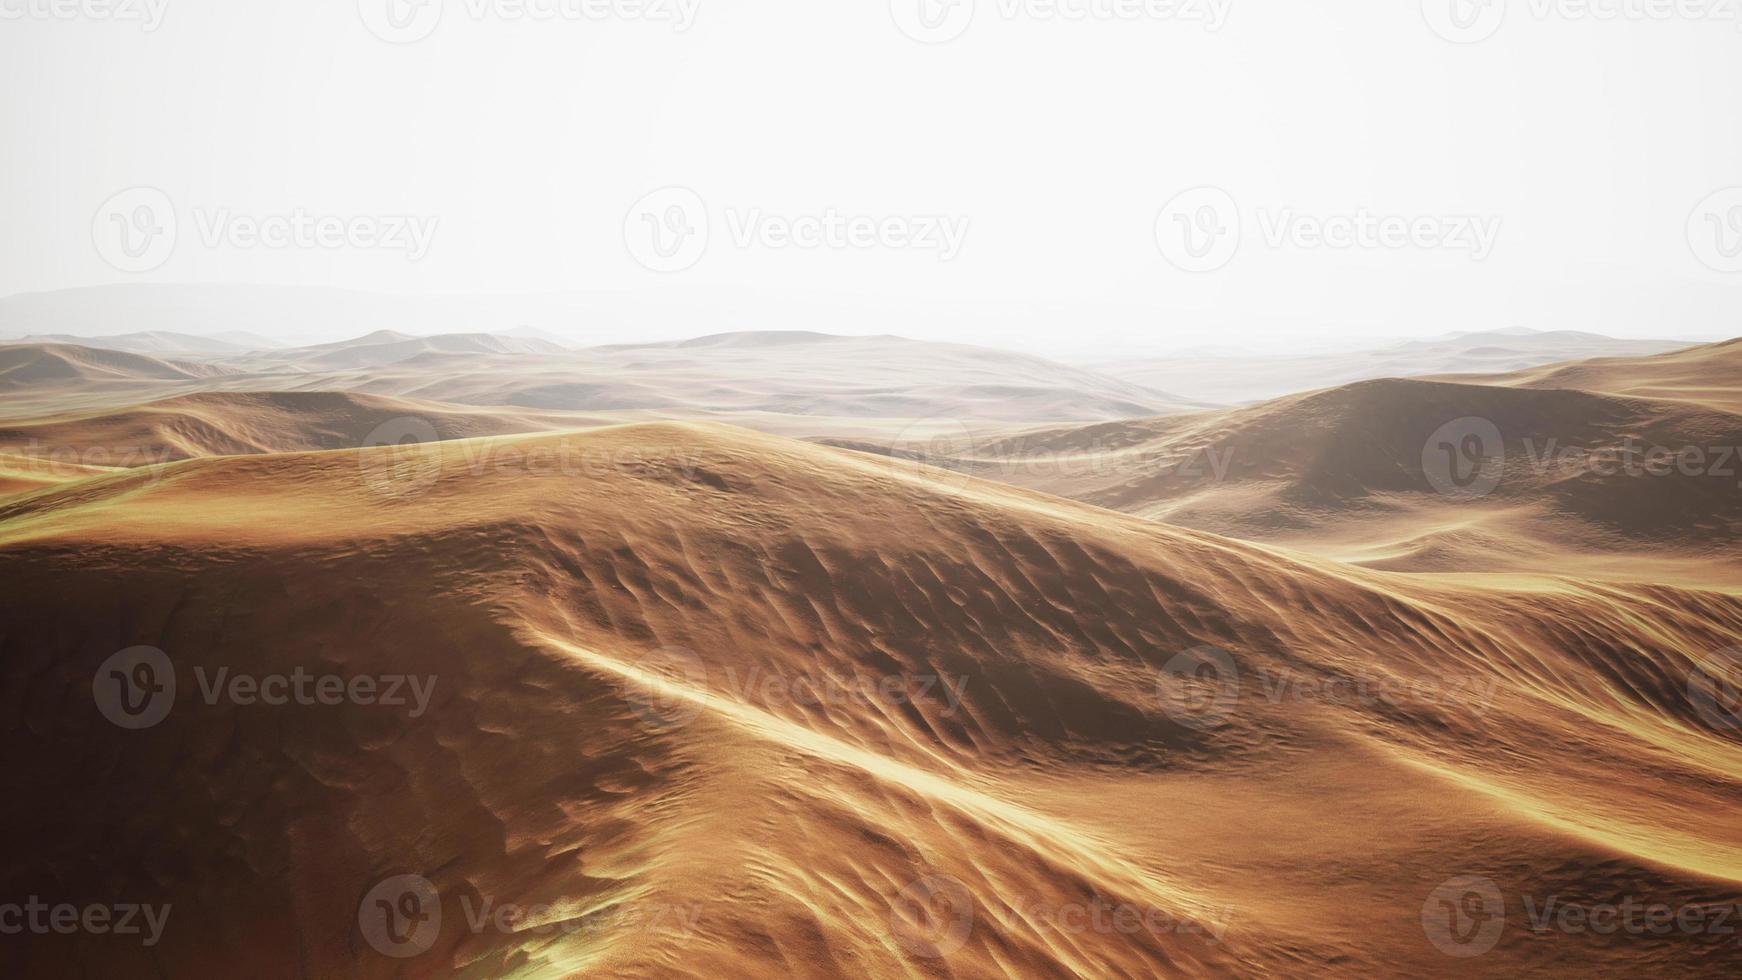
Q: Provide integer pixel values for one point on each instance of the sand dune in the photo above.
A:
(386, 347)
(602, 611)
(159, 342)
(1363, 472)
(1238, 377)
(1705, 376)
(231, 424)
(835, 382)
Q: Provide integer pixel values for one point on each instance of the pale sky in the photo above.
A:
(1014, 181)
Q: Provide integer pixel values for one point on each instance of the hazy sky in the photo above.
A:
(987, 169)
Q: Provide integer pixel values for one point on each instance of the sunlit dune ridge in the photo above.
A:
(651, 646)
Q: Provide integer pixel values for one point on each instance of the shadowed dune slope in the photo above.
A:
(245, 423)
(1363, 473)
(1705, 376)
(679, 703)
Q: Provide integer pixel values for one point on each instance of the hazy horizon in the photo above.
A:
(1389, 173)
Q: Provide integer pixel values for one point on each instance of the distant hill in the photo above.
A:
(24, 366)
(1232, 379)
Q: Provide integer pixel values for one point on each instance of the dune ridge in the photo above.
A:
(572, 756)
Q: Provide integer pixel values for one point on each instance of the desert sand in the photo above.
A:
(703, 701)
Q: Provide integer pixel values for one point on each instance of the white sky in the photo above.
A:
(1592, 141)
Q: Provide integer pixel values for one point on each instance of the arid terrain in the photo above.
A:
(789, 654)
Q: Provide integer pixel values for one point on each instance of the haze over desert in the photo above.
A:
(912, 489)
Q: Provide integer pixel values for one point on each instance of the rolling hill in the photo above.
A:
(688, 712)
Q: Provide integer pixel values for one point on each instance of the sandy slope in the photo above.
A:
(1705, 376)
(245, 423)
(1360, 472)
(1233, 378)
(593, 606)
(781, 376)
